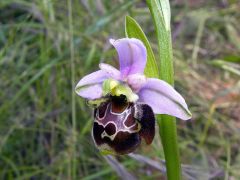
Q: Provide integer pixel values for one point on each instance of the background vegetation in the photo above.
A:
(47, 46)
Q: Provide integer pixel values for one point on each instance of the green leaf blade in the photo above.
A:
(160, 11)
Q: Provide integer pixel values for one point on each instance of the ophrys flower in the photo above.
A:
(128, 99)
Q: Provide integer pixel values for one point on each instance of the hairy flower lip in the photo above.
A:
(132, 55)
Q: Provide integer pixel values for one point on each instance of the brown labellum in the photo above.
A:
(119, 125)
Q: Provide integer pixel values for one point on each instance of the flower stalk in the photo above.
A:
(160, 11)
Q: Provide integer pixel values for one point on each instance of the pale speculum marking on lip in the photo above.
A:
(113, 122)
(119, 125)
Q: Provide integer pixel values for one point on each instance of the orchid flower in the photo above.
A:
(142, 97)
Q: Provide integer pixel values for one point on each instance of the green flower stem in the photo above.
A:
(160, 12)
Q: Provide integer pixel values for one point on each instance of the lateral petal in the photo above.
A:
(136, 81)
(110, 70)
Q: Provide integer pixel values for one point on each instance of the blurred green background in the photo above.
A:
(46, 46)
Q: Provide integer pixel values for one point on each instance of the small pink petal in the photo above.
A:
(110, 70)
(136, 81)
